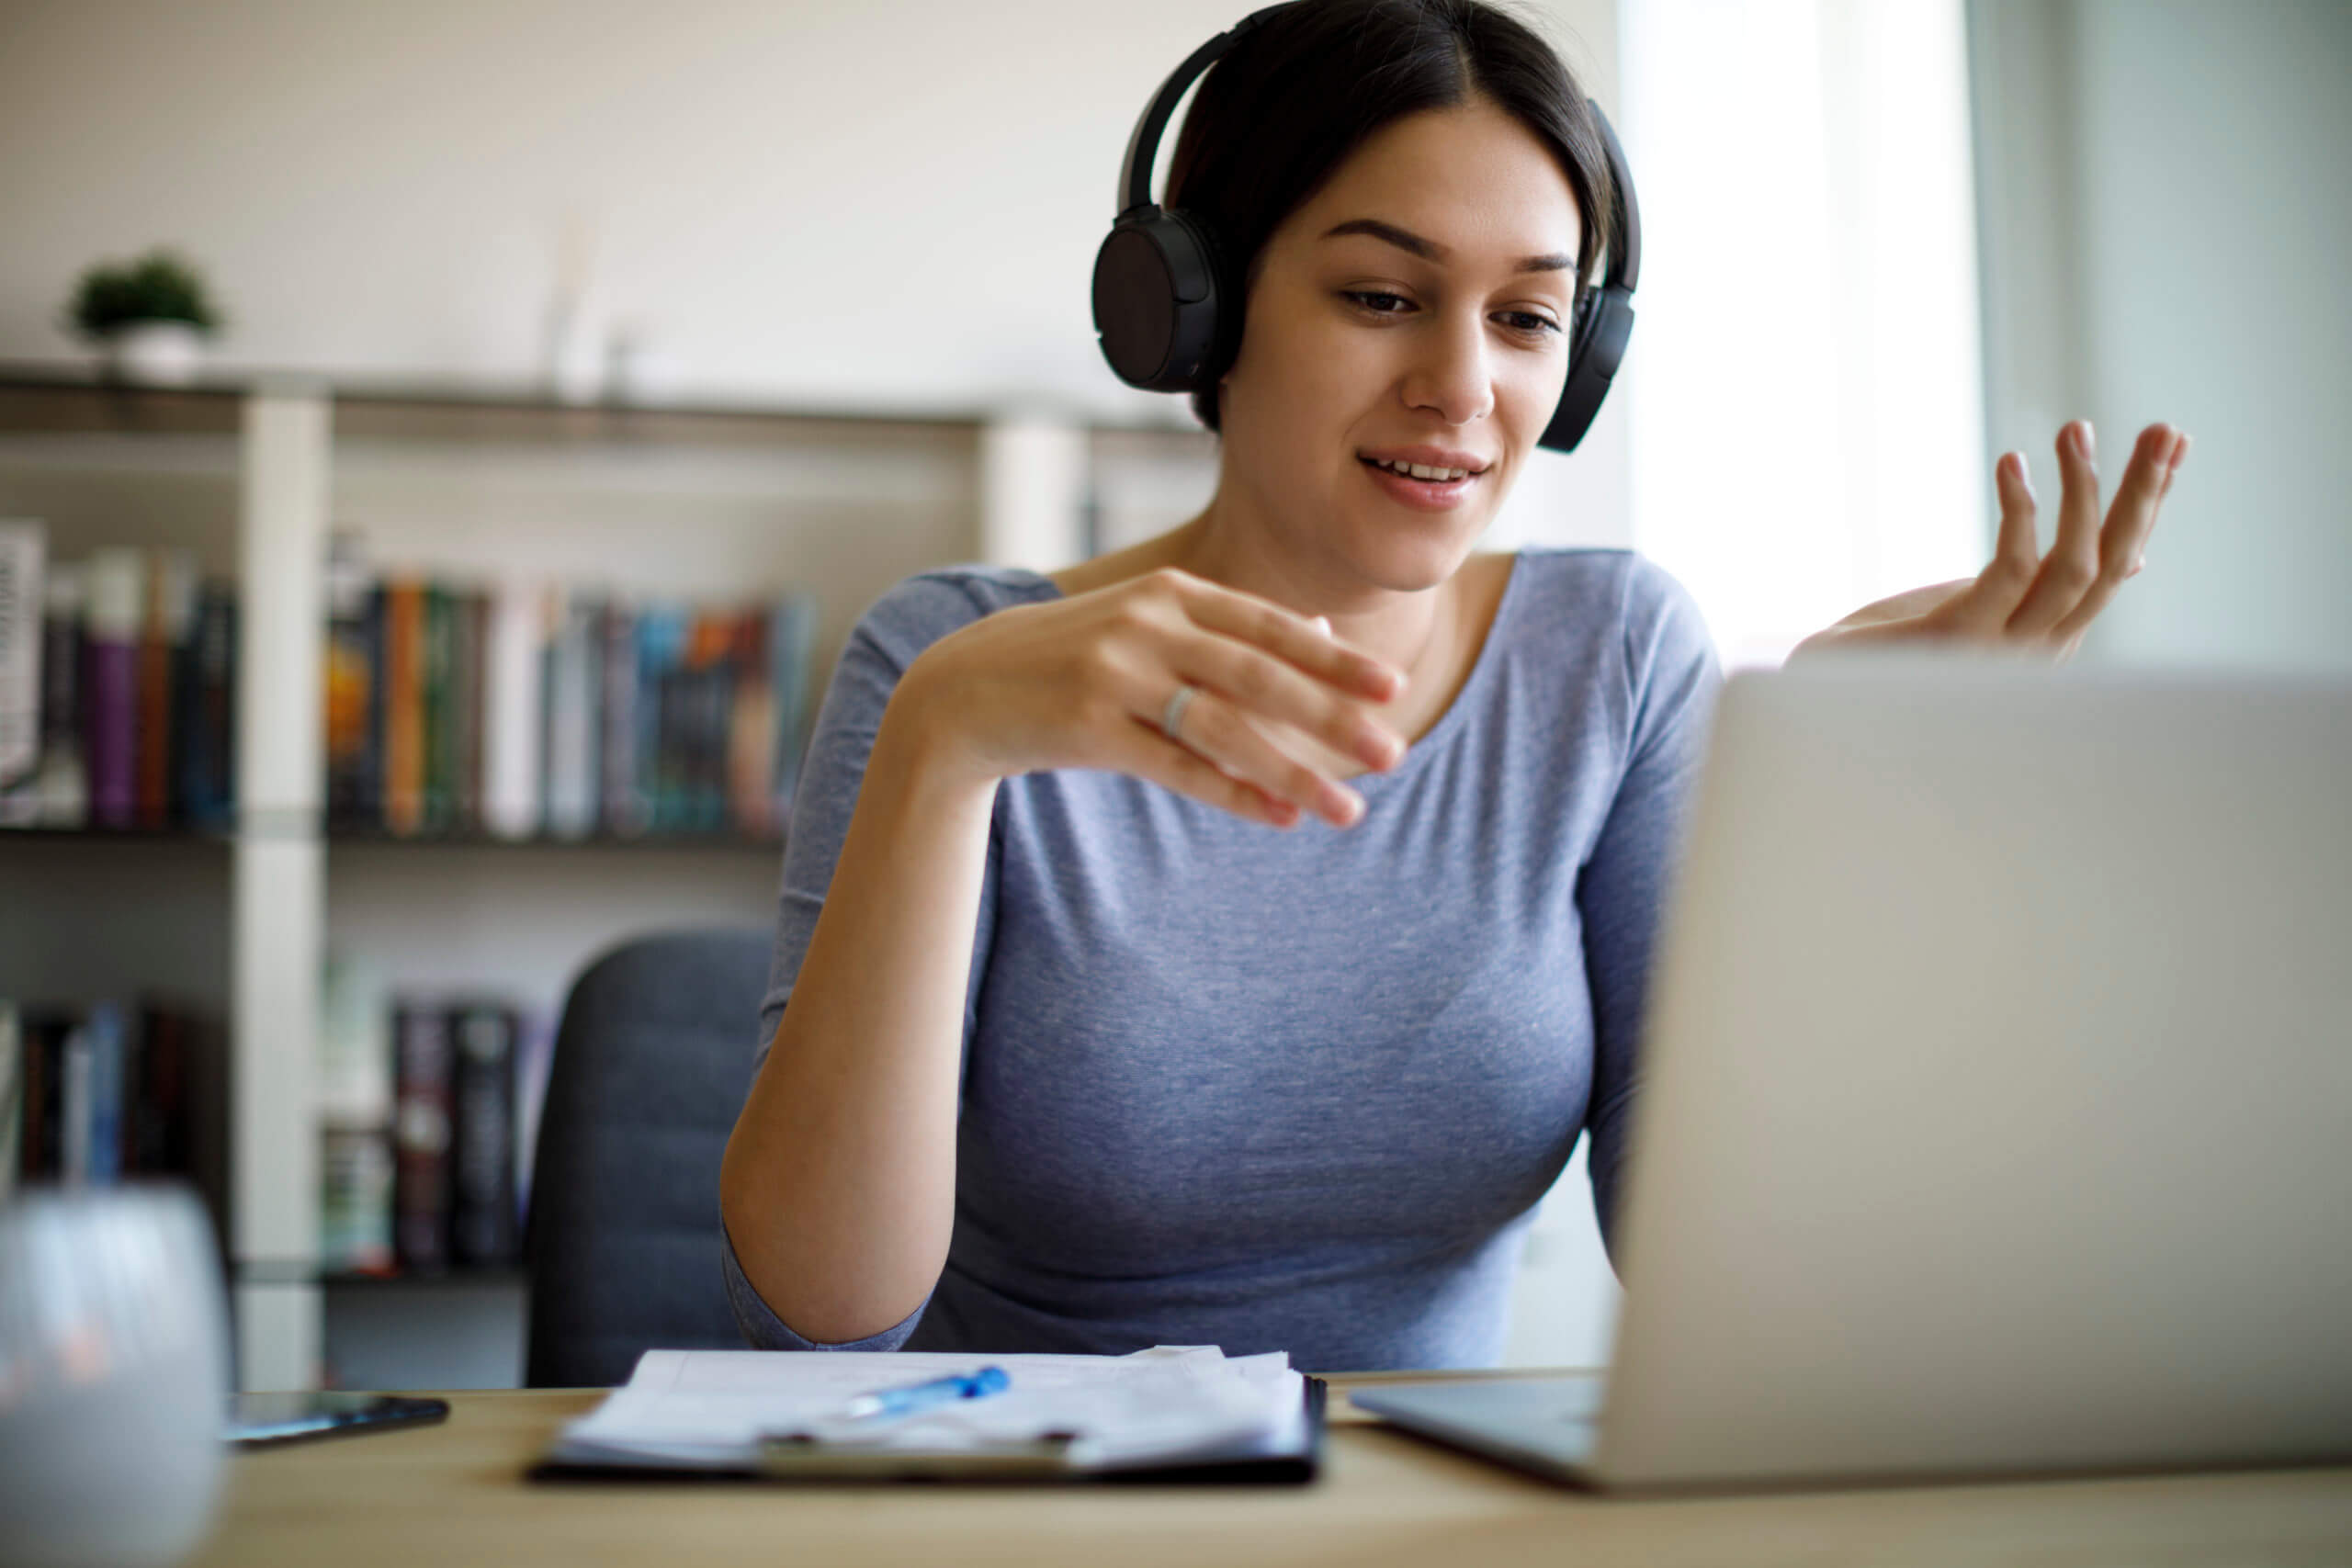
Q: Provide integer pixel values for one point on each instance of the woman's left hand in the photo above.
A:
(2026, 601)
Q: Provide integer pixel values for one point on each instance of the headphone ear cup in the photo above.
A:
(1156, 306)
(1604, 326)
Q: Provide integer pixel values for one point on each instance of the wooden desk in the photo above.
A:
(452, 1493)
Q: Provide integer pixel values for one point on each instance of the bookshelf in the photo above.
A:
(252, 475)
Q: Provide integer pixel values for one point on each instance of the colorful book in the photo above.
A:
(658, 785)
(421, 1136)
(24, 548)
(468, 633)
(103, 1144)
(483, 1160)
(573, 750)
(62, 784)
(403, 669)
(170, 614)
(437, 697)
(111, 727)
(207, 713)
(514, 677)
(623, 807)
(351, 680)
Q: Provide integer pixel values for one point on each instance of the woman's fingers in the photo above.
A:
(2073, 563)
(1213, 728)
(1986, 605)
(1261, 683)
(1141, 750)
(2124, 541)
(1283, 634)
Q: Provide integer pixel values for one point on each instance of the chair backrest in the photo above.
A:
(651, 1062)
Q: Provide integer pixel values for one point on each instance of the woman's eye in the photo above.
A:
(1370, 301)
(1531, 323)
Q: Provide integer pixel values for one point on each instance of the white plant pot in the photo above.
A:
(156, 354)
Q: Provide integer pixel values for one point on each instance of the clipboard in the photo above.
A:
(1291, 1458)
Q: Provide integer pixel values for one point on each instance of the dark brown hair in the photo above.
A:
(1286, 106)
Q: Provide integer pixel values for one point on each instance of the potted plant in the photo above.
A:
(150, 316)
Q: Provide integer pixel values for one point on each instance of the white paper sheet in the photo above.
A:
(713, 1408)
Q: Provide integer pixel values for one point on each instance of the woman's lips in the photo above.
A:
(1421, 495)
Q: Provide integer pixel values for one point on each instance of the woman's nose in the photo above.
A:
(1450, 372)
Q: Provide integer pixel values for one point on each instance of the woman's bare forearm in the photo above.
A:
(839, 1182)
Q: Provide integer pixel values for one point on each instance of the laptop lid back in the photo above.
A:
(1997, 1105)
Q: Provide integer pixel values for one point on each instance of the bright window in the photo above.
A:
(1806, 402)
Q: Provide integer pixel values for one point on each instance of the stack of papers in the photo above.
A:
(717, 1409)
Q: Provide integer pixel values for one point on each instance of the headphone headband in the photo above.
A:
(1143, 146)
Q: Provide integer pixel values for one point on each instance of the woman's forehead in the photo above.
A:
(1473, 183)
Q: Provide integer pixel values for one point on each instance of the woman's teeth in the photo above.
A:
(1420, 470)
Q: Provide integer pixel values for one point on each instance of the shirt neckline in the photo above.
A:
(1464, 700)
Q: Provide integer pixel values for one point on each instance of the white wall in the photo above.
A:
(2166, 219)
(894, 201)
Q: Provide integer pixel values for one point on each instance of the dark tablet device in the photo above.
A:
(265, 1420)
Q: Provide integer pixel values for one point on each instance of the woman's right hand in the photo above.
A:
(1081, 681)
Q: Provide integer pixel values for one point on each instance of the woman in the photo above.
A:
(1094, 1040)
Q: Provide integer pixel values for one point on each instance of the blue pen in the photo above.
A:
(924, 1395)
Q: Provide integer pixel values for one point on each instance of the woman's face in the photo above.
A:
(1416, 309)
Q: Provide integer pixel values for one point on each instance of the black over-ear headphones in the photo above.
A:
(1158, 276)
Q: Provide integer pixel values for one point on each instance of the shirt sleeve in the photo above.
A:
(900, 624)
(1671, 679)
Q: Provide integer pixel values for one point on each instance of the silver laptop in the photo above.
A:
(1997, 1102)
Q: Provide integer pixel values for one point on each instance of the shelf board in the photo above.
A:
(599, 840)
(473, 1277)
(72, 396)
(178, 835)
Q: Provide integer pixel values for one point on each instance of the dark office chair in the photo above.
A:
(651, 1062)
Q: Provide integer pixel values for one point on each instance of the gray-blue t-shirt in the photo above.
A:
(1292, 1090)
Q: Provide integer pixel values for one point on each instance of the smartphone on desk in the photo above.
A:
(266, 1420)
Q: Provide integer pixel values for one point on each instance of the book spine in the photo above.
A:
(157, 1100)
(368, 794)
(64, 786)
(710, 679)
(37, 1067)
(169, 612)
(484, 1162)
(513, 674)
(440, 751)
(661, 631)
(469, 630)
(622, 803)
(421, 1136)
(350, 682)
(24, 545)
(403, 788)
(208, 751)
(575, 708)
(106, 1045)
(74, 1118)
(111, 731)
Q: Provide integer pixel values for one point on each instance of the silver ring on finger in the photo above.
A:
(1172, 718)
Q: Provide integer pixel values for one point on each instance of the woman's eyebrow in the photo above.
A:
(1430, 250)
